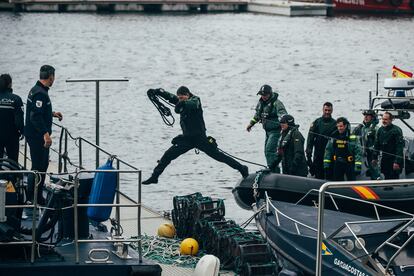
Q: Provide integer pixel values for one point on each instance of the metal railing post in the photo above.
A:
(320, 228)
(117, 209)
(139, 217)
(80, 152)
(97, 124)
(36, 183)
(75, 216)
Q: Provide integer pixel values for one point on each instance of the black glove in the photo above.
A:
(159, 91)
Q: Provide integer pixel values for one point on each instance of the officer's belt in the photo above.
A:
(349, 158)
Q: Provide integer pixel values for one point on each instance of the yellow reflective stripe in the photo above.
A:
(327, 161)
(358, 163)
(352, 137)
(254, 121)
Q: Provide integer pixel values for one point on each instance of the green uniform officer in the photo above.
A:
(366, 133)
(269, 110)
(290, 148)
(390, 142)
(343, 153)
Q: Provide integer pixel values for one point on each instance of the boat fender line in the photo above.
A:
(396, 3)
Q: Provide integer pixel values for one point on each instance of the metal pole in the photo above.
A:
(139, 218)
(97, 123)
(377, 85)
(117, 209)
(320, 229)
(80, 152)
(75, 216)
(37, 182)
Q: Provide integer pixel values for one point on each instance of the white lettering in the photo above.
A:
(352, 2)
(352, 270)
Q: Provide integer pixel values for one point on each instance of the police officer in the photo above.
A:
(38, 127)
(390, 142)
(269, 110)
(194, 133)
(11, 119)
(366, 133)
(343, 153)
(291, 148)
(319, 132)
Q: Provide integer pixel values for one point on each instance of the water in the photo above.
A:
(223, 58)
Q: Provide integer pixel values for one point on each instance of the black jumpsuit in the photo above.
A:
(38, 121)
(194, 135)
(11, 123)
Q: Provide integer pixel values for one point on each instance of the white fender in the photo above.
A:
(209, 265)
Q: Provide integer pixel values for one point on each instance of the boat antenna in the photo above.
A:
(376, 94)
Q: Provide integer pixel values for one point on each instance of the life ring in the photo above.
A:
(396, 3)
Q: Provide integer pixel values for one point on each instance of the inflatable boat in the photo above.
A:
(293, 189)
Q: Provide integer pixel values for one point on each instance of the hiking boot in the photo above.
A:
(244, 171)
(152, 180)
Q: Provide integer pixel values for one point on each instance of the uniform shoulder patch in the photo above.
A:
(39, 104)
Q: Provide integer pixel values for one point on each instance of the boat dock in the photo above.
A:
(276, 7)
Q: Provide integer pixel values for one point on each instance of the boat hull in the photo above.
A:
(375, 6)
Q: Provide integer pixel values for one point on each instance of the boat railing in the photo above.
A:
(117, 205)
(349, 184)
(374, 205)
(63, 161)
(278, 213)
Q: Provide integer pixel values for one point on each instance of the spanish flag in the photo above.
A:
(398, 73)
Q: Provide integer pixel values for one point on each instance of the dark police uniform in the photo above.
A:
(319, 132)
(268, 113)
(390, 142)
(11, 123)
(39, 118)
(343, 155)
(194, 135)
(290, 150)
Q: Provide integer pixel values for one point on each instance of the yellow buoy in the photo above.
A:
(189, 246)
(166, 230)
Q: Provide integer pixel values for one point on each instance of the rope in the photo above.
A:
(240, 159)
(166, 251)
(164, 111)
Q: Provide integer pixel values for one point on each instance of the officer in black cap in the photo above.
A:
(194, 133)
(38, 127)
(290, 148)
(367, 131)
(269, 110)
(11, 119)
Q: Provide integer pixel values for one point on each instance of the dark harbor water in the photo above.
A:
(223, 58)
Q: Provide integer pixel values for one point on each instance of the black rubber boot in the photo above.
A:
(152, 180)
(244, 170)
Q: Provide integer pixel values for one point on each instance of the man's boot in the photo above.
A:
(244, 170)
(152, 180)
